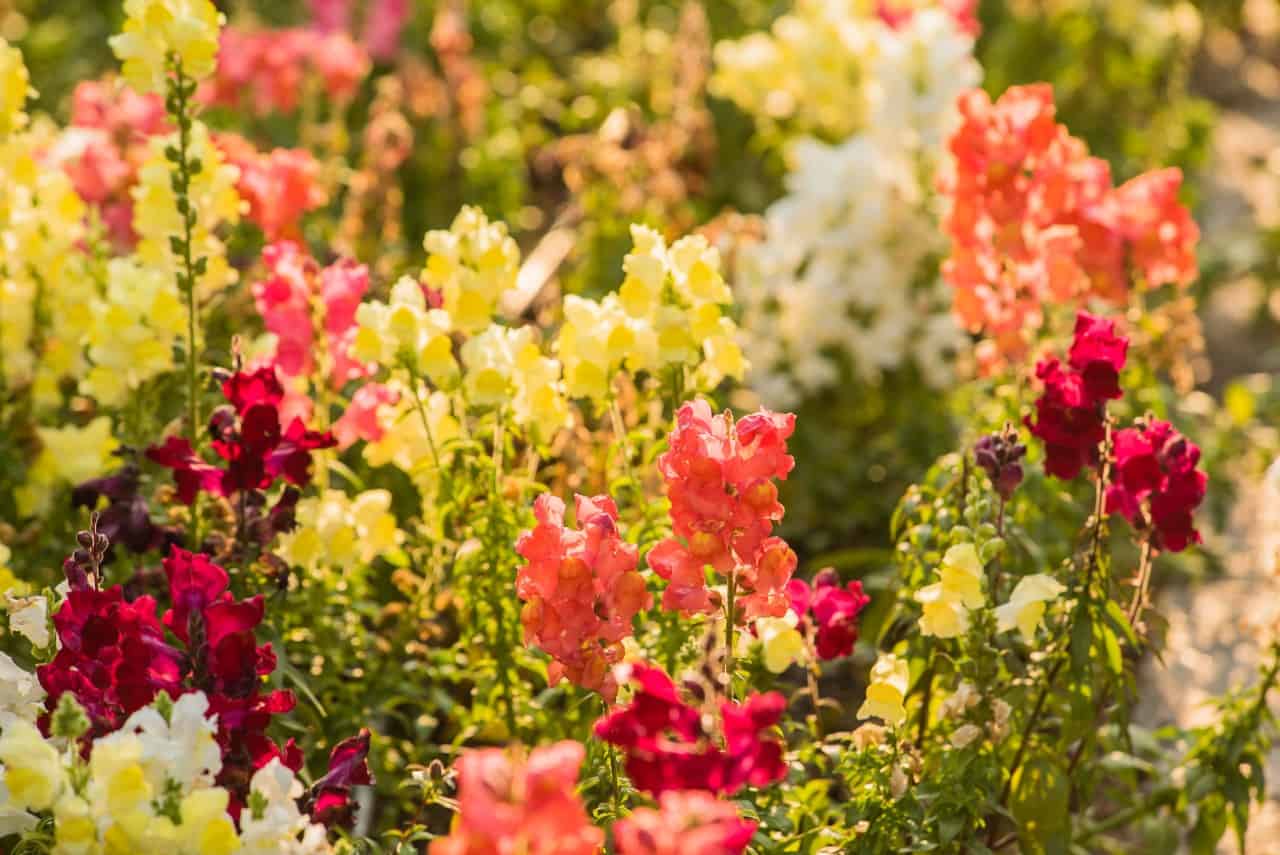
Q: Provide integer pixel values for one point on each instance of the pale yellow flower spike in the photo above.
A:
(154, 30)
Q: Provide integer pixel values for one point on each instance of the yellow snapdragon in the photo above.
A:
(1026, 607)
(668, 311)
(472, 264)
(404, 331)
(156, 30)
(68, 455)
(15, 88)
(887, 692)
(810, 70)
(946, 604)
(41, 225)
(135, 325)
(33, 773)
(781, 643)
(505, 366)
(406, 443)
(213, 196)
(339, 531)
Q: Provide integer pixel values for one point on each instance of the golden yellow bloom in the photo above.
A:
(15, 88)
(962, 575)
(156, 30)
(471, 264)
(404, 330)
(887, 693)
(338, 531)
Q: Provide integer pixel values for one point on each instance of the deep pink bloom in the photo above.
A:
(272, 66)
(1070, 413)
(1157, 485)
(668, 747)
(834, 611)
(329, 800)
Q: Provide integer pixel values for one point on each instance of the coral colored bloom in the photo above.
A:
(724, 502)
(272, 67)
(281, 185)
(1035, 220)
(508, 803)
(1157, 485)
(581, 590)
(685, 823)
(668, 747)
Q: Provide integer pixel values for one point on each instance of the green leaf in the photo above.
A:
(1040, 795)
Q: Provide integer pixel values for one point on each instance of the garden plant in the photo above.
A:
(574, 427)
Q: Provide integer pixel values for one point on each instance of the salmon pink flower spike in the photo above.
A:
(669, 747)
(1071, 412)
(1157, 485)
(508, 803)
(685, 823)
(580, 589)
(1034, 219)
(724, 503)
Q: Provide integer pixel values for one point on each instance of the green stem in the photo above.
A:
(729, 632)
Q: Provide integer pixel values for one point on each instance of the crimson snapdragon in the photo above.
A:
(669, 747)
(833, 610)
(1157, 486)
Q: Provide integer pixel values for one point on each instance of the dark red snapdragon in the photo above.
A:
(256, 448)
(1070, 414)
(828, 612)
(668, 746)
(329, 800)
(1157, 484)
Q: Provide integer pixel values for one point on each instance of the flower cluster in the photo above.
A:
(946, 603)
(15, 86)
(472, 264)
(1157, 486)
(156, 31)
(105, 146)
(279, 186)
(250, 437)
(512, 803)
(724, 504)
(1071, 412)
(581, 590)
(157, 217)
(667, 312)
(669, 747)
(1034, 220)
(268, 70)
(845, 279)
(384, 21)
(1000, 456)
(300, 302)
(832, 70)
(833, 610)
(334, 529)
(68, 455)
(136, 324)
(685, 823)
(149, 784)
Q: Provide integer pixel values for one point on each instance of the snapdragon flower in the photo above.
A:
(341, 531)
(887, 692)
(156, 31)
(472, 264)
(946, 603)
(1027, 604)
(15, 88)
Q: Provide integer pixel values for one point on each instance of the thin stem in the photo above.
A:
(422, 414)
(620, 434)
(1143, 584)
(615, 787)
(922, 721)
(729, 631)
